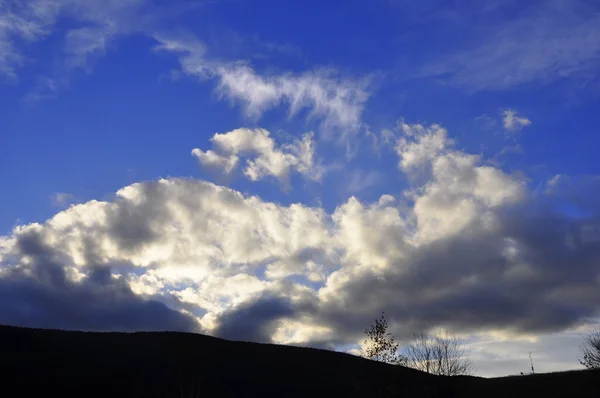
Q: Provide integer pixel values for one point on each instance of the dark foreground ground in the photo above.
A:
(44, 363)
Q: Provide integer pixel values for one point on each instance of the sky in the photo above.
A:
(285, 171)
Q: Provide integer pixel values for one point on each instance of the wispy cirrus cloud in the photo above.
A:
(63, 199)
(97, 24)
(544, 42)
(234, 44)
(337, 101)
(512, 122)
(360, 180)
(325, 94)
(20, 21)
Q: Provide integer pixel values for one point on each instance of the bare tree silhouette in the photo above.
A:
(590, 351)
(441, 355)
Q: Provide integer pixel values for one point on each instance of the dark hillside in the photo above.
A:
(39, 362)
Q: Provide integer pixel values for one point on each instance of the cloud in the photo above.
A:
(44, 291)
(470, 249)
(544, 43)
(264, 158)
(485, 122)
(501, 354)
(361, 180)
(512, 122)
(18, 21)
(63, 199)
(84, 43)
(337, 101)
(465, 247)
(213, 160)
(420, 145)
(97, 24)
(519, 274)
(255, 320)
(189, 240)
(235, 44)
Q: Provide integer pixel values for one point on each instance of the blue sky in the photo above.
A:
(383, 130)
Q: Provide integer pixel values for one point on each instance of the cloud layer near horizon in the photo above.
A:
(465, 247)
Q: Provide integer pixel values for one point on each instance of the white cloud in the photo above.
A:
(211, 159)
(189, 238)
(338, 102)
(420, 145)
(467, 247)
(461, 192)
(335, 100)
(512, 122)
(372, 235)
(328, 96)
(264, 157)
(192, 53)
(457, 189)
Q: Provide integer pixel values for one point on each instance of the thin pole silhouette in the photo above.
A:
(531, 361)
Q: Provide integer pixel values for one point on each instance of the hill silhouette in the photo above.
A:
(41, 362)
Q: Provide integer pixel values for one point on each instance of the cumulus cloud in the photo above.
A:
(212, 160)
(264, 156)
(337, 101)
(254, 321)
(473, 238)
(469, 237)
(466, 247)
(455, 188)
(189, 240)
(512, 122)
(44, 290)
(419, 145)
(458, 189)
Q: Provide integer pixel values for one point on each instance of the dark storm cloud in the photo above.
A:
(40, 294)
(538, 272)
(133, 224)
(254, 320)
